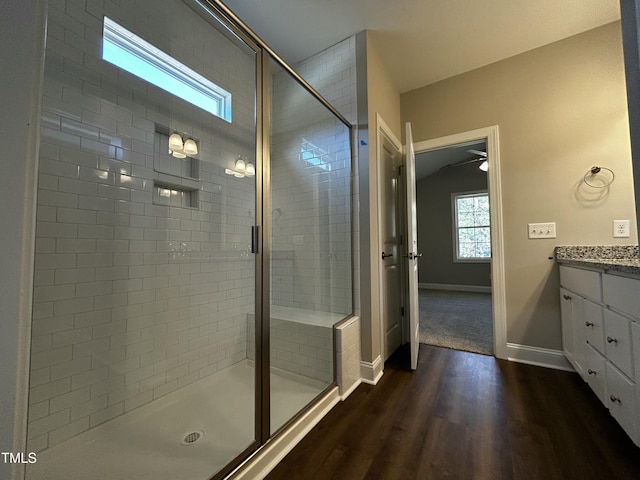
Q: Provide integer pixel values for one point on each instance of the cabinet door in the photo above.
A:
(566, 314)
(621, 399)
(617, 332)
(595, 372)
(635, 334)
(592, 325)
(579, 339)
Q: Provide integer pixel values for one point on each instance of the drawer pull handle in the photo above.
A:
(591, 372)
(612, 340)
(613, 398)
(588, 324)
(566, 297)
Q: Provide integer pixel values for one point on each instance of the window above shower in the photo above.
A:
(128, 51)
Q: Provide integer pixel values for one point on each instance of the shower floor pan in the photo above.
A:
(189, 434)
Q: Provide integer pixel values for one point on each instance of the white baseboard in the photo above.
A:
(541, 357)
(264, 460)
(455, 288)
(371, 372)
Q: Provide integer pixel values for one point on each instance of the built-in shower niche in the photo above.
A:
(172, 195)
(176, 180)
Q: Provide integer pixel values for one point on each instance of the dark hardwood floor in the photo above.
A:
(465, 416)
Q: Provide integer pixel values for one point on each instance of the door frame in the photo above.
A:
(383, 131)
(499, 305)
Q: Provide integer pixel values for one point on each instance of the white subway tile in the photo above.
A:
(40, 376)
(68, 431)
(162, 390)
(90, 289)
(48, 423)
(134, 376)
(76, 305)
(106, 414)
(88, 378)
(102, 388)
(71, 337)
(122, 394)
(66, 401)
(49, 390)
(138, 400)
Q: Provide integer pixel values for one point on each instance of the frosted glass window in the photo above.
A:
(137, 56)
(472, 231)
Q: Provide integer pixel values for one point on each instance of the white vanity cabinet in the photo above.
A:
(581, 312)
(601, 338)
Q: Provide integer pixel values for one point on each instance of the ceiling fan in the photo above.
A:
(482, 157)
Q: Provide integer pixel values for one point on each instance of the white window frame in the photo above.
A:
(454, 214)
(129, 52)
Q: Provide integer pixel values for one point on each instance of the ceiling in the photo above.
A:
(423, 41)
(432, 161)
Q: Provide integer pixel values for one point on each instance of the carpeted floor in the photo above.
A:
(458, 320)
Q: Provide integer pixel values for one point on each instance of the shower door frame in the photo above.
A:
(226, 18)
(263, 228)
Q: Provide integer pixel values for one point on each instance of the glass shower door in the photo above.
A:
(143, 333)
(310, 244)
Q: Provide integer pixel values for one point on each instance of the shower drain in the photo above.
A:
(192, 437)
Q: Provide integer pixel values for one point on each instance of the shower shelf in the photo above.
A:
(172, 194)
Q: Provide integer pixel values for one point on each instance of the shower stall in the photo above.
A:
(193, 243)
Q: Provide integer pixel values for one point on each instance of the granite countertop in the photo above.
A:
(613, 258)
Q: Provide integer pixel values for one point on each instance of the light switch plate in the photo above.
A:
(542, 230)
(621, 228)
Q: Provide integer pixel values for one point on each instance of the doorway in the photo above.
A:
(474, 140)
(454, 234)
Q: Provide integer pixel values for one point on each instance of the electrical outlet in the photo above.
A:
(621, 228)
(542, 230)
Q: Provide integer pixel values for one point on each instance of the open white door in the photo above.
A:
(412, 247)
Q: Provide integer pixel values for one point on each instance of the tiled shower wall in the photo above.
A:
(312, 228)
(132, 299)
(332, 73)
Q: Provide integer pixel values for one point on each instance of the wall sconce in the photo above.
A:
(241, 169)
(180, 149)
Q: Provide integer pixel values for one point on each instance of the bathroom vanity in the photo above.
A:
(600, 311)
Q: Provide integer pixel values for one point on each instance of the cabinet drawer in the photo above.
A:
(622, 294)
(595, 372)
(592, 325)
(617, 333)
(621, 399)
(584, 282)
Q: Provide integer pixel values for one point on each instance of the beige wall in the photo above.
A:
(561, 109)
(383, 99)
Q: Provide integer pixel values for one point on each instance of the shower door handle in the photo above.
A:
(254, 238)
